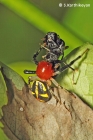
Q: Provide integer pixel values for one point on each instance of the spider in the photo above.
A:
(45, 76)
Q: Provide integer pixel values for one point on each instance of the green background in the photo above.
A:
(23, 23)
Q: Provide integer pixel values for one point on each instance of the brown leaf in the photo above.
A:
(25, 118)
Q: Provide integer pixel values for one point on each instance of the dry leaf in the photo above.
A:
(25, 118)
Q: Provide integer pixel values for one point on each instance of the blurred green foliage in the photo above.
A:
(24, 22)
(80, 21)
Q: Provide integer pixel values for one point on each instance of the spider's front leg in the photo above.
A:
(71, 63)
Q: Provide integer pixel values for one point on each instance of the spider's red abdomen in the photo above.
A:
(44, 70)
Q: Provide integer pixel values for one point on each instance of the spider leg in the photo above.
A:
(55, 82)
(53, 94)
(73, 61)
(74, 70)
(69, 66)
(58, 99)
(62, 56)
(35, 56)
(32, 78)
(44, 56)
(29, 72)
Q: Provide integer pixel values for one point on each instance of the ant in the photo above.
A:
(54, 46)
